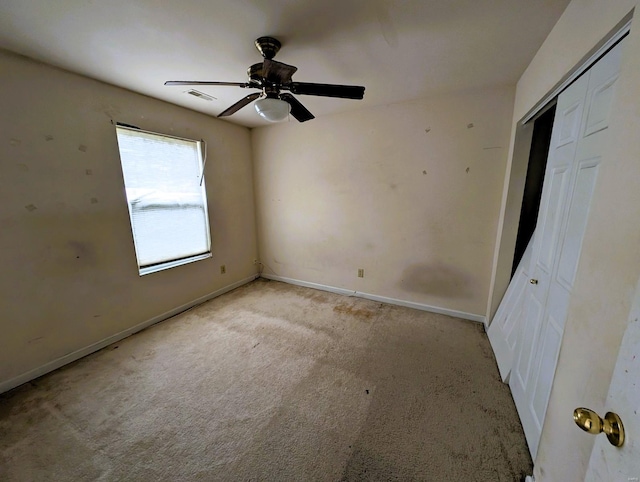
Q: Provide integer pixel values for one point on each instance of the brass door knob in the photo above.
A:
(590, 422)
(533, 281)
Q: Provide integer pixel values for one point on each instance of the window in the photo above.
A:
(166, 196)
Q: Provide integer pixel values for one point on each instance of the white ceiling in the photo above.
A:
(399, 50)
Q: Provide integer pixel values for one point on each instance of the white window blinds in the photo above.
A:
(167, 203)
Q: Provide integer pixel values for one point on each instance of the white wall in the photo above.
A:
(610, 260)
(410, 192)
(69, 276)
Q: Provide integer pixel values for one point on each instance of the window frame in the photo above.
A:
(200, 146)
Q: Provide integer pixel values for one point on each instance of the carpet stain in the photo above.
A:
(349, 310)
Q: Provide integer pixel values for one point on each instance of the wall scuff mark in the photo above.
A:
(438, 279)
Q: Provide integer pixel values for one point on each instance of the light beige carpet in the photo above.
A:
(273, 382)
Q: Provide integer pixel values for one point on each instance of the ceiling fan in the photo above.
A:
(272, 78)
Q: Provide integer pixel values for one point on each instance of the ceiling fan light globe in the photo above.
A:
(273, 110)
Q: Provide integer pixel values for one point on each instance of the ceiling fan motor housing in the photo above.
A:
(271, 91)
(255, 72)
(268, 46)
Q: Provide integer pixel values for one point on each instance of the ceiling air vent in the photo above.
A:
(201, 95)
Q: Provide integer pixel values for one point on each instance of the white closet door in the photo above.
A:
(579, 129)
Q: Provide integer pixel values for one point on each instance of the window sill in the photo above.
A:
(172, 264)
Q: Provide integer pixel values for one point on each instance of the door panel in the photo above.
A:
(569, 119)
(577, 222)
(551, 220)
(604, 75)
(598, 118)
(542, 386)
(511, 327)
(505, 328)
(531, 329)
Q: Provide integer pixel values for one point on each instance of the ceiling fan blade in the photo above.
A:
(240, 104)
(327, 90)
(277, 72)
(300, 112)
(199, 82)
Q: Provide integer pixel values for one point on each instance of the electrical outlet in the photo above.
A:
(360, 273)
(223, 269)
(255, 261)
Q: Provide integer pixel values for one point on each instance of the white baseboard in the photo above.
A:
(82, 352)
(381, 299)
